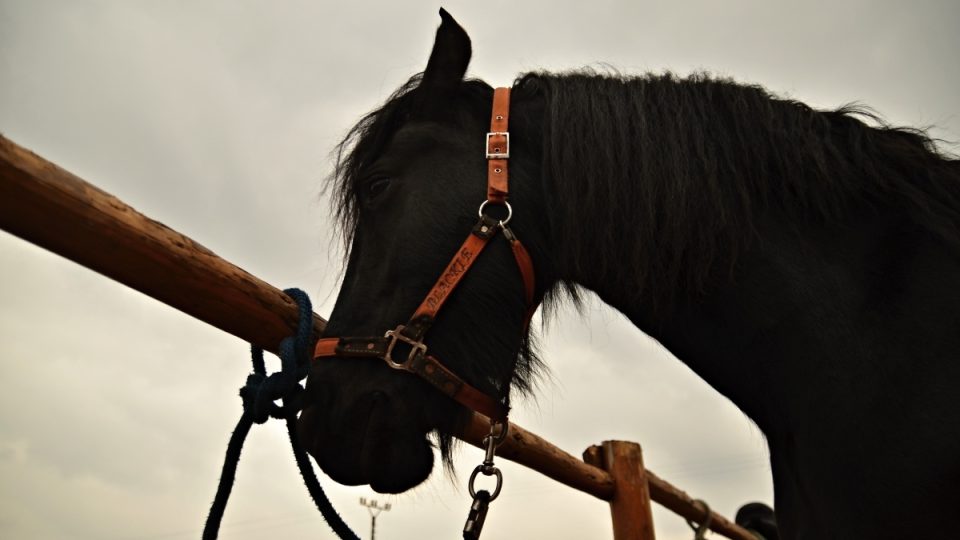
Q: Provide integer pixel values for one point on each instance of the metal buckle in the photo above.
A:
(505, 153)
(397, 335)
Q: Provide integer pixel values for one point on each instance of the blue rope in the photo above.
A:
(259, 397)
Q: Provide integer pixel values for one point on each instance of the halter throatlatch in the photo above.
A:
(416, 359)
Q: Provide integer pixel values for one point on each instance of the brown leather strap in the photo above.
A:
(364, 347)
(525, 264)
(435, 373)
(425, 366)
(482, 232)
(498, 147)
(326, 347)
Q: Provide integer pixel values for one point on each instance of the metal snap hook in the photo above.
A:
(493, 440)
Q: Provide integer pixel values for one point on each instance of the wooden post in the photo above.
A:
(630, 504)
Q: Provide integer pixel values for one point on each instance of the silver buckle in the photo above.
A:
(505, 154)
(396, 335)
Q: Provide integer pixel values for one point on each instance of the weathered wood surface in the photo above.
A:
(679, 502)
(630, 506)
(674, 499)
(53, 208)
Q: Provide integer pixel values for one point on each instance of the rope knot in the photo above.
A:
(261, 392)
(259, 396)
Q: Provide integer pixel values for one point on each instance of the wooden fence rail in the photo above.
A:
(50, 207)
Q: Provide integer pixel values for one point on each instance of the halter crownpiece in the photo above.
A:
(498, 147)
(411, 334)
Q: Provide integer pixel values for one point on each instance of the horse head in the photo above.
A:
(409, 180)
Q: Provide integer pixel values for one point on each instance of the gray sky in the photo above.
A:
(216, 118)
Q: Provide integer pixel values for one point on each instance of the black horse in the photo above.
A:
(804, 263)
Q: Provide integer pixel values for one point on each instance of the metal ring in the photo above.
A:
(503, 222)
(492, 471)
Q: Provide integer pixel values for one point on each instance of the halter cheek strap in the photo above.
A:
(412, 333)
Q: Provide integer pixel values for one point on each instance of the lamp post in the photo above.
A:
(374, 508)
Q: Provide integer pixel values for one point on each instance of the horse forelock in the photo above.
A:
(360, 147)
(369, 137)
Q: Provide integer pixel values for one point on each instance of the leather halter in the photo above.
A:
(412, 333)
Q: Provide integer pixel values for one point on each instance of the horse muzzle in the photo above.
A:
(369, 440)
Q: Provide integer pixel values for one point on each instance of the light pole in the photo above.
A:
(374, 508)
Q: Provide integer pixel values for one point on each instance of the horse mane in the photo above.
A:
(688, 165)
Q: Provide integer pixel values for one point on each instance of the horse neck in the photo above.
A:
(837, 336)
(744, 279)
(733, 235)
(796, 282)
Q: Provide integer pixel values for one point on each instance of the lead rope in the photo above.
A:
(259, 396)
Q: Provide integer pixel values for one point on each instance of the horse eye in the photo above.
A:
(376, 187)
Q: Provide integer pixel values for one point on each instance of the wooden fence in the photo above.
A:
(46, 205)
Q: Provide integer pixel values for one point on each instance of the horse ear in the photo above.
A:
(448, 60)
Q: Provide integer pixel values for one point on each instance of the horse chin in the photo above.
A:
(368, 446)
(408, 467)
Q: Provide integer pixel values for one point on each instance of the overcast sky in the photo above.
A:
(217, 118)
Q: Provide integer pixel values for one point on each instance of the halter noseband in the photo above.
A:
(412, 333)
